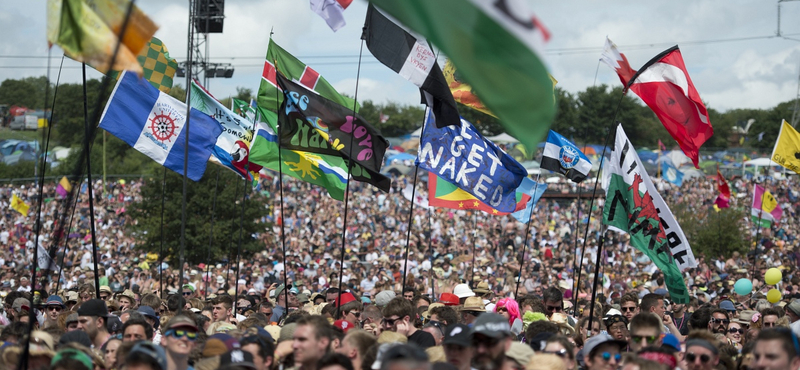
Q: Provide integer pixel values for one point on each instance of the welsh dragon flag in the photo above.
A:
(634, 206)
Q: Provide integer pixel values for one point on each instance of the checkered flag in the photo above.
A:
(159, 69)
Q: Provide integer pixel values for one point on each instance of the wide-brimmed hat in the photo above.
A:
(482, 288)
(473, 304)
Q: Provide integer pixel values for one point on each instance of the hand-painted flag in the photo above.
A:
(618, 62)
(634, 206)
(765, 209)
(724, 196)
(19, 205)
(444, 194)
(64, 187)
(419, 199)
(88, 32)
(331, 11)
(671, 174)
(270, 98)
(462, 156)
(498, 48)
(233, 144)
(563, 156)
(665, 86)
(535, 191)
(409, 55)
(153, 123)
(464, 94)
(787, 148)
(312, 123)
(327, 171)
(44, 262)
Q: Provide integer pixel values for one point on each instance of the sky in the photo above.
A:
(731, 48)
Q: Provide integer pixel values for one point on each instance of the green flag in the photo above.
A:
(329, 172)
(631, 207)
(498, 50)
(279, 60)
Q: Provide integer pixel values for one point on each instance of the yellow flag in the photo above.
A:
(19, 205)
(787, 148)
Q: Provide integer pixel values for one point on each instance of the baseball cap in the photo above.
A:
(218, 344)
(94, 307)
(520, 352)
(458, 334)
(180, 321)
(599, 339)
(188, 286)
(383, 297)
(237, 358)
(727, 306)
(76, 336)
(344, 325)
(147, 311)
(449, 299)
(492, 325)
(55, 300)
(21, 304)
(147, 352)
(671, 342)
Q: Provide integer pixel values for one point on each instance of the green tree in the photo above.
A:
(200, 195)
(712, 233)
(26, 92)
(403, 119)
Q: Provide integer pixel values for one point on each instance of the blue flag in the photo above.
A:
(562, 156)
(153, 123)
(535, 190)
(460, 155)
(671, 174)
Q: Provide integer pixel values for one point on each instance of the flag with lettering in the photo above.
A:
(787, 148)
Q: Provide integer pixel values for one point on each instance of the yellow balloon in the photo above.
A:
(773, 276)
(774, 296)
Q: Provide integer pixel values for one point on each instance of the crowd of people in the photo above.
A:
(469, 290)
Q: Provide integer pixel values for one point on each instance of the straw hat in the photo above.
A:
(473, 304)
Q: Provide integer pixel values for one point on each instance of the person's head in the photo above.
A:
(311, 340)
(491, 338)
(653, 303)
(126, 301)
(331, 294)
(266, 308)
(508, 308)
(553, 300)
(769, 318)
(71, 359)
(629, 305)
(436, 329)
(398, 310)
(602, 352)
(617, 325)
(444, 314)
(776, 349)
(562, 347)
(457, 345)
(146, 356)
(700, 355)
(92, 317)
(409, 292)
(262, 349)
(187, 291)
(180, 336)
(334, 361)
(405, 357)
(54, 306)
(351, 311)
(221, 308)
(109, 352)
(136, 329)
(719, 321)
(645, 330)
(355, 344)
(583, 325)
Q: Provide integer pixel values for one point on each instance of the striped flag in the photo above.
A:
(563, 156)
(765, 209)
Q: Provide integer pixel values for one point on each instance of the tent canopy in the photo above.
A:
(503, 138)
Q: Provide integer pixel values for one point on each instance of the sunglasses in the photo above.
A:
(178, 334)
(473, 313)
(54, 308)
(704, 358)
(769, 325)
(646, 338)
(560, 353)
(355, 313)
(502, 309)
(187, 294)
(627, 309)
(735, 330)
(607, 356)
(389, 322)
(554, 308)
(723, 321)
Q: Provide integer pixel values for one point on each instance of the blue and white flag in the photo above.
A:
(671, 174)
(535, 190)
(460, 155)
(153, 122)
(562, 156)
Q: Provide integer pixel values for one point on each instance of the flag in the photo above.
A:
(535, 191)
(618, 62)
(661, 146)
(419, 199)
(329, 172)
(724, 191)
(460, 155)
(409, 55)
(158, 67)
(464, 94)
(232, 148)
(312, 123)
(444, 194)
(787, 148)
(331, 11)
(383, 117)
(270, 98)
(153, 122)
(665, 86)
(634, 206)
(498, 48)
(765, 210)
(44, 262)
(88, 31)
(563, 156)
(19, 205)
(64, 187)
(761, 136)
(671, 174)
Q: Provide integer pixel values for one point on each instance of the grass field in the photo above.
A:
(28, 135)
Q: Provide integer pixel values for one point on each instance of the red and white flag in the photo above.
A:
(665, 86)
(617, 61)
(331, 11)
(724, 191)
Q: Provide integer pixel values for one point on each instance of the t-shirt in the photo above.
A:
(422, 338)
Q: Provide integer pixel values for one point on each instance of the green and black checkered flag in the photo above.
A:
(158, 67)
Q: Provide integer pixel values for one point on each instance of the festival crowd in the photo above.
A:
(480, 292)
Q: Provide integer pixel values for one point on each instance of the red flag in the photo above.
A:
(661, 146)
(724, 191)
(664, 85)
(617, 61)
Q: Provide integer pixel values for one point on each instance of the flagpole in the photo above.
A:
(186, 146)
(280, 187)
(596, 276)
(758, 230)
(161, 248)
(244, 200)
(90, 187)
(411, 208)
(211, 237)
(527, 233)
(430, 250)
(474, 234)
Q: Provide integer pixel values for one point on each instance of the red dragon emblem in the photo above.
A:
(643, 207)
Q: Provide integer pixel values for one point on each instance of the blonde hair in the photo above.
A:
(545, 362)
